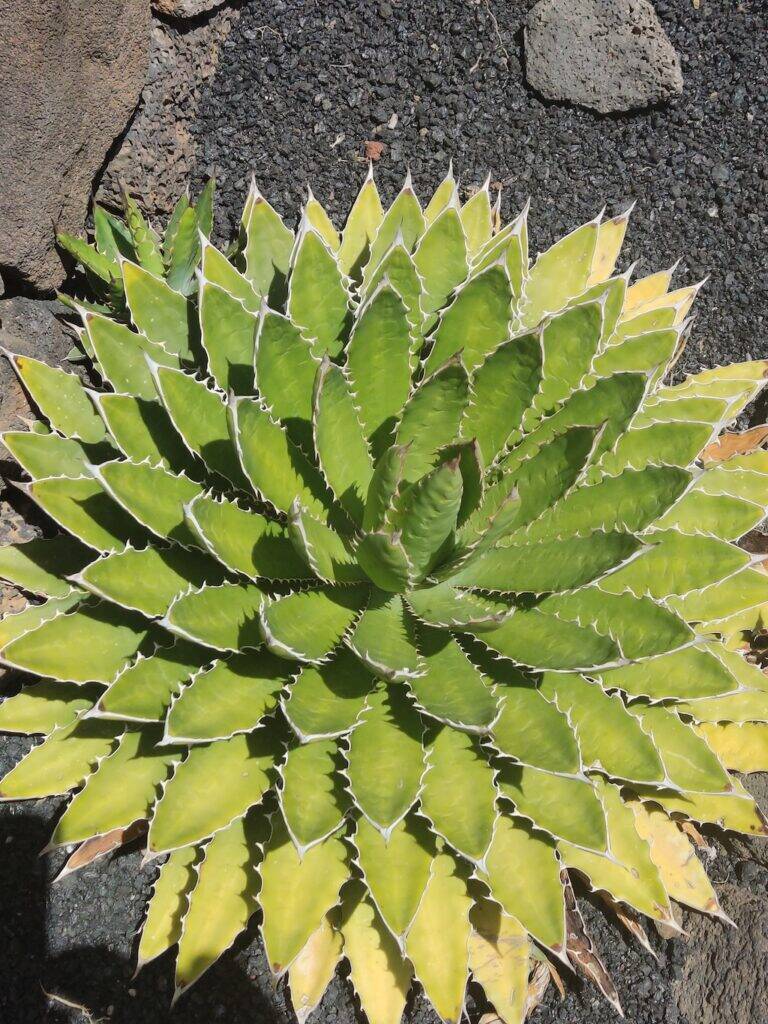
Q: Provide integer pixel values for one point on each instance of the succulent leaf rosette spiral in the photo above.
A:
(395, 589)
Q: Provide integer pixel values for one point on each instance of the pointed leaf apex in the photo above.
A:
(310, 194)
(369, 175)
(408, 183)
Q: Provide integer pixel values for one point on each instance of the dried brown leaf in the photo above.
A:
(582, 952)
(730, 444)
(92, 849)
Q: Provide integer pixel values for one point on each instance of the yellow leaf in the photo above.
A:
(645, 290)
(740, 747)
(610, 236)
(310, 973)
(498, 959)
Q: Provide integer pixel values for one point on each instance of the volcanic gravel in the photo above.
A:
(299, 88)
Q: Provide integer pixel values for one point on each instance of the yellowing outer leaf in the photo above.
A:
(438, 941)
(498, 959)
(311, 972)
(167, 904)
(673, 853)
(741, 747)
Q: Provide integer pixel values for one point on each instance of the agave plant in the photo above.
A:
(396, 589)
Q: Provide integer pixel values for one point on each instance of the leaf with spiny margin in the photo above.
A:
(61, 399)
(317, 298)
(714, 515)
(144, 432)
(61, 762)
(245, 542)
(144, 690)
(736, 812)
(167, 905)
(459, 796)
(511, 242)
(610, 236)
(172, 226)
(383, 638)
(386, 757)
(498, 958)
(565, 806)
(404, 220)
(183, 254)
(532, 637)
(745, 589)
(327, 700)
(549, 565)
(438, 939)
(227, 332)
(41, 565)
(144, 237)
(662, 444)
(431, 417)
(149, 580)
(297, 892)
(503, 387)
(631, 876)
(739, 746)
(222, 900)
(328, 555)
(444, 195)
(654, 320)
(201, 417)
(360, 230)
(532, 892)
(111, 234)
(275, 466)
(646, 289)
(217, 270)
(688, 760)
(426, 516)
(225, 617)
(19, 623)
(385, 482)
(442, 262)
(378, 365)
(749, 705)
(341, 447)
(400, 272)
(691, 672)
(472, 470)
(266, 245)
(559, 274)
(672, 852)
(216, 784)
(308, 625)
(384, 560)
(120, 791)
(312, 970)
(728, 478)
(379, 973)
(644, 352)
(101, 266)
(312, 798)
(158, 312)
(451, 688)
(569, 342)
(45, 706)
(609, 737)
(231, 697)
(321, 222)
(631, 502)
(475, 323)
(445, 605)
(44, 455)
(477, 219)
(91, 644)
(534, 731)
(285, 375)
(676, 410)
(122, 356)
(154, 497)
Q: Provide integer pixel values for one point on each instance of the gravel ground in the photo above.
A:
(299, 87)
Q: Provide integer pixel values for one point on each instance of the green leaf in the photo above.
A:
(743, 590)
(45, 706)
(402, 221)
(83, 508)
(362, 224)
(41, 565)
(535, 731)
(385, 483)
(297, 892)
(285, 376)
(398, 270)
(533, 892)
(90, 644)
(716, 515)
(245, 542)
(383, 640)
(184, 253)
(217, 270)
(386, 758)
(112, 236)
(569, 342)
(104, 267)
(167, 905)
(317, 298)
(17, 624)
(472, 470)
(379, 365)
(427, 515)
(450, 688)
(610, 738)
(120, 791)
(308, 625)
(158, 312)
(122, 356)
(441, 261)
(396, 869)
(266, 248)
(143, 691)
(312, 799)
(431, 417)
(688, 673)
(688, 760)
(475, 323)
(532, 637)
(61, 398)
(645, 352)
(216, 784)
(148, 580)
(144, 432)
(385, 561)
(328, 556)
(61, 762)
(321, 222)
(231, 697)
(172, 226)
(559, 274)
(225, 618)
(152, 496)
(327, 700)
(444, 195)
(44, 455)
(438, 940)
(503, 387)
(662, 444)
(227, 333)
(477, 219)
(566, 807)
(204, 207)
(447, 606)
(459, 795)
(145, 240)
(222, 900)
